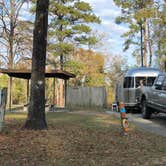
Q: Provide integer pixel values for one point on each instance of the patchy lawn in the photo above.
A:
(79, 138)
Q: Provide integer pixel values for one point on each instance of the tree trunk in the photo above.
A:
(57, 93)
(61, 62)
(11, 55)
(142, 56)
(150, 45)
(61, 94)
(36, 111)
(145, 44)
(53, 101)
(65, 93)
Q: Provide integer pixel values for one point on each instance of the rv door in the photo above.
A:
(128, 86)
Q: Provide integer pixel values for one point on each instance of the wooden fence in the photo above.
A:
(86, 97)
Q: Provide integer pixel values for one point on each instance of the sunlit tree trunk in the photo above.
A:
(61, 93)
(36, 112)
(11, 52)
(57, 93)
(141, 42)
(145, 43)
(149, 45)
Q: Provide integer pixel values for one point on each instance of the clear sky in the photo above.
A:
(108, 11)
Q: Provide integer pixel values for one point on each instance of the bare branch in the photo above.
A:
(4, 58)
(17, 9)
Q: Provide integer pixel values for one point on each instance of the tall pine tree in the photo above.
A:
(138, 15)
(36, 113)
(69, 26)
(160, 35)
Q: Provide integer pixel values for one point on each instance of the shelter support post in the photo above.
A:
(65, 92)
(53, 102)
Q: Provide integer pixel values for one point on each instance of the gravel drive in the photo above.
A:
(157, 124)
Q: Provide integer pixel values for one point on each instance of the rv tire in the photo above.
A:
(146, 113)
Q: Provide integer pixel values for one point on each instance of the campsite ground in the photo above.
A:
(79, 138)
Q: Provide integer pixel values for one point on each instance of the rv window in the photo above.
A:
(150, 81)
(145, 81)
(128, 82)
(140, 81)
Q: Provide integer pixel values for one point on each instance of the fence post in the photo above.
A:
(3, 99)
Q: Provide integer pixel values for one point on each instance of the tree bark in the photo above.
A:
(65, 93)
(61, 93)
(142, 56)
(36, 111)
(150, 45)
(53, 102)
(145, 44)
(11, 52)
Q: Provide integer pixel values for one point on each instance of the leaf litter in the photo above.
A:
(79, 138)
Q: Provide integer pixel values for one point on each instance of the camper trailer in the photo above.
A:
(127, 87)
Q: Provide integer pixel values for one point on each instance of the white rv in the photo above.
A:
(127, 87)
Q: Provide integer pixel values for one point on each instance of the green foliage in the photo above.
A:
(160, 29)
(129, 11)
(141, 14)
(79, 29)
(160, 36)
(19, 91)
(88, 67)
(3, 81)
(69, 25)
(82, 6)
(63, 48)
(96, 79)
(76, 67)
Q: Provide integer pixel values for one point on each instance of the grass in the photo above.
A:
(78, 138)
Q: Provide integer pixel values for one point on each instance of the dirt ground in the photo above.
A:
(79, 138)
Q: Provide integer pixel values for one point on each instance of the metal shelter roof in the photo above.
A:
(26, 74)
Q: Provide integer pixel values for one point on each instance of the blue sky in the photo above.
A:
(113, 42)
